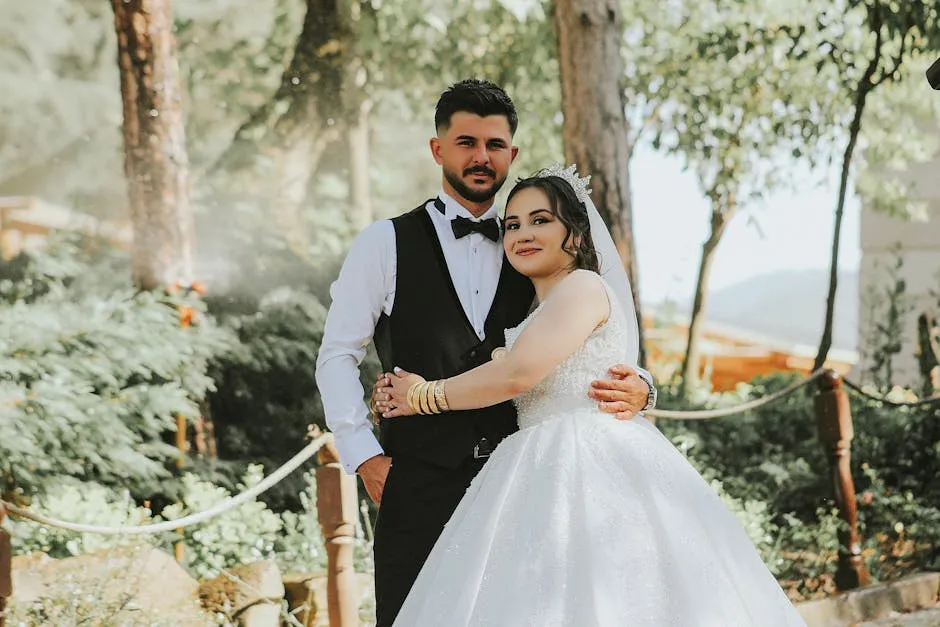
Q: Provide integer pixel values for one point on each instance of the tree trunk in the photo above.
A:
(596, 131)
(864, 86)
(358, 108)
(360, 162)
(155, 160)
(928, 353)
(276, 152)
(825, 342)
(690, 364)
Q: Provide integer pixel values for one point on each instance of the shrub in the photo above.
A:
(93, 372)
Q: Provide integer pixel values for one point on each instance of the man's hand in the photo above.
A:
(374, 472)
(397, 404)
(624, 395)
(379, 396)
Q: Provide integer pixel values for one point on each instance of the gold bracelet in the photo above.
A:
(429, 398)
(421, 397)
(426, 399)
(440, 396)
(413, 398)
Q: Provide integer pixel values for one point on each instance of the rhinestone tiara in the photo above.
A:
(570, 176)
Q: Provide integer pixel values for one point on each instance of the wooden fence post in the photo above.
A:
(834, 425)
(337, 510)
(6, 569)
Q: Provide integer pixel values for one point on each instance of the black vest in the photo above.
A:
(428, 333)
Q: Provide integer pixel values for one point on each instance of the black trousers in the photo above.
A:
(417, 501)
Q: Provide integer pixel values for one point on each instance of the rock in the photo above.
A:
(251, 594)
(129, 585)
(27, 576)
(261, 615)
(301, 600)
(884, 600)
(923, 618)
(313, 588)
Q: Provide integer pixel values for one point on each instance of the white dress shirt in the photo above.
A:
(364, 290)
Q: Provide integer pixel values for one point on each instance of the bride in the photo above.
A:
(577, 520)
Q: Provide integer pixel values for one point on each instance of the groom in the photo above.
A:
(431, 289)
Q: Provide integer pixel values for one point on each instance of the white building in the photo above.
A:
(920, 251)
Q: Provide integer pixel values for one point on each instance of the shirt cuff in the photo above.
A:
(648, 379)
(356, 447)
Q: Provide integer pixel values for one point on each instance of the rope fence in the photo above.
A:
(193, 519)
(313, 447)
(724, 412)
(932, 400)
(337, 501)
(336, 512)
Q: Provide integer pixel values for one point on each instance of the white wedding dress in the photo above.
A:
(580, 520)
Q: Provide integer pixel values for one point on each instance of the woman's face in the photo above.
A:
(534, 236)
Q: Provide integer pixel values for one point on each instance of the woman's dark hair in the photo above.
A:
(571, 212)
(475, 96)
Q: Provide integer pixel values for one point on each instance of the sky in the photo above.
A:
(671, 223)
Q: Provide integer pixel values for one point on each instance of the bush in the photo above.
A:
(266, 392)
(93, 372)
(772, 456)
(242, 535)
(86, 503)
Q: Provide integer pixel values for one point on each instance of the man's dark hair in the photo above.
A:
(475, 96)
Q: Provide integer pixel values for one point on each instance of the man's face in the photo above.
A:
(475, 154)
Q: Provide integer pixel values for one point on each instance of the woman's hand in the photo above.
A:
(401, 382)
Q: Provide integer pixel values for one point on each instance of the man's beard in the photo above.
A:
(467, 192)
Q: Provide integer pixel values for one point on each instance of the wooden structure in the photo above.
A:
(731, 355)
(6, 569)
(26, 222)
(834, 426)
(338, 513)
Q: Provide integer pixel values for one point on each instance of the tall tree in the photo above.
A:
(732, 108)
(155, 159)
(888, 35)
(595, 131)
(276, 152)
(358, 106)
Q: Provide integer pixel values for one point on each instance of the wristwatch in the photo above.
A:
(651, 397)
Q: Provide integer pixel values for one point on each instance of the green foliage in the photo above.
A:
(232, 54)
(755, 516)
(734, 108)
(94, 372)
(901, 519)
(772, 456)
(887, 308)
(241, 535)
(266, 388)
(82, 502)
(299, 547)
(805, 553)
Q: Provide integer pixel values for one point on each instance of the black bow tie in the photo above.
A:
(464, 226)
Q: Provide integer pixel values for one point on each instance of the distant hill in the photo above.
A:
(790, 306)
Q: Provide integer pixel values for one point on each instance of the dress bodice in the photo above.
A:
(565, 390)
